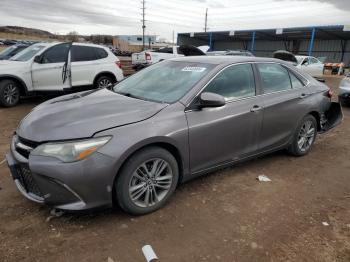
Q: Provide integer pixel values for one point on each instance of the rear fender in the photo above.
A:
(332, 117)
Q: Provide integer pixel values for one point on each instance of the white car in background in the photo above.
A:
(344, 90)
(310, 65)
(55, 67)
(307, 64)
(149, 57)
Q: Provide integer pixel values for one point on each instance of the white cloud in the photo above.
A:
(123, 16)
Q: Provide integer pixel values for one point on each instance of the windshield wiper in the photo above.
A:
(131, 95)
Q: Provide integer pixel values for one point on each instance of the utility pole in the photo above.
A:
(206, 21)
(143, 23)
(173, 37)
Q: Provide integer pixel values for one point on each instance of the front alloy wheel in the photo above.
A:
(150, 182)
(146, 181)
(9, 93)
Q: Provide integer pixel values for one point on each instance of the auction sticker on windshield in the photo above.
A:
(193, 69)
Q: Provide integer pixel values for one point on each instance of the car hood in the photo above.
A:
(9, 62)
(190, 50)
(286, 56)
(9, 66)
(84, 114)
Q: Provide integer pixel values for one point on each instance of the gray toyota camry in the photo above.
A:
(168, 123)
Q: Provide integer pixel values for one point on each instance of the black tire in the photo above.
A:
(294, 148)
(104, 81)
(344, 102)
(123, 182)
(9, 93)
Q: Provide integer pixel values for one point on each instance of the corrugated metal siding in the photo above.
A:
(185, 40)
(322, 48)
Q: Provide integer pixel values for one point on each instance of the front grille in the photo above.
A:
(24, 146)
(27, 181)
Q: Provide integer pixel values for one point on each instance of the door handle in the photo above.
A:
(303, 95)
(255, 108)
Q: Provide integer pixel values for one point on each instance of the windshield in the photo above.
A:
(164, 82)
(27, 53)
(7, 51)
(299, 59)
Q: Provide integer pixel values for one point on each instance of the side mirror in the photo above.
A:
(37, 59)
(208, 99)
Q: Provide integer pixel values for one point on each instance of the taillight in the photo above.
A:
(119, 64)
(148, 56)
(329, 93)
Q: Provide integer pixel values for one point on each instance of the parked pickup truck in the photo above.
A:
(149, 57)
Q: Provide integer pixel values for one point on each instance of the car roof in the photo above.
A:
(47, 44)
(88, 44)
(303, 56)
(224, 59)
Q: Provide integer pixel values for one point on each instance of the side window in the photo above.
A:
(274, 78)
(306, 61)
(234, 82)
(168, 50)
(100, 53)
(296, 83)
(178, 51)
(82, 53)
(56, 54)
(313, 60)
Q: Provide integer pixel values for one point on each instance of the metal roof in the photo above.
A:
(334, 32)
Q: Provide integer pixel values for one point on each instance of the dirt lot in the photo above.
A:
(225, 216)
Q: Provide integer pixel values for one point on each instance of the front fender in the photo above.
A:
(20, 80)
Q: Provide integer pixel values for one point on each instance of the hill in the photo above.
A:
(25, 31)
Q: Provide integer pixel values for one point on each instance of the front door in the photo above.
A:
(52, 71)
(221, 135)
(312, 66)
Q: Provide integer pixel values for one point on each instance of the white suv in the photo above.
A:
(56, 67)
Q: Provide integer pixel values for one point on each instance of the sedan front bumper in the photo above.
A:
(80, 185)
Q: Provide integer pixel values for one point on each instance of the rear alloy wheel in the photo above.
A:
(104, 82)
(9, 93)
(304, 137)
(147, 181)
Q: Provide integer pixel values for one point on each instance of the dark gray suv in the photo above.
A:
(171, 122)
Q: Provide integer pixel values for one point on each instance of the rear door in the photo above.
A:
(283, 94)
(85, 62)
(224, 134)
(52, 72)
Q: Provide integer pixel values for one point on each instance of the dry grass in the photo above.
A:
(24, 37)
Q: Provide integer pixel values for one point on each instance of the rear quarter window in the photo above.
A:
(101, 53)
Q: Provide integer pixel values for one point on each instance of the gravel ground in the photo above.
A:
(224, 216)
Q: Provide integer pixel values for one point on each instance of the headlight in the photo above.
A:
(71, 151)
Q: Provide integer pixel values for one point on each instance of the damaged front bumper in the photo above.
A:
(67, 186)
